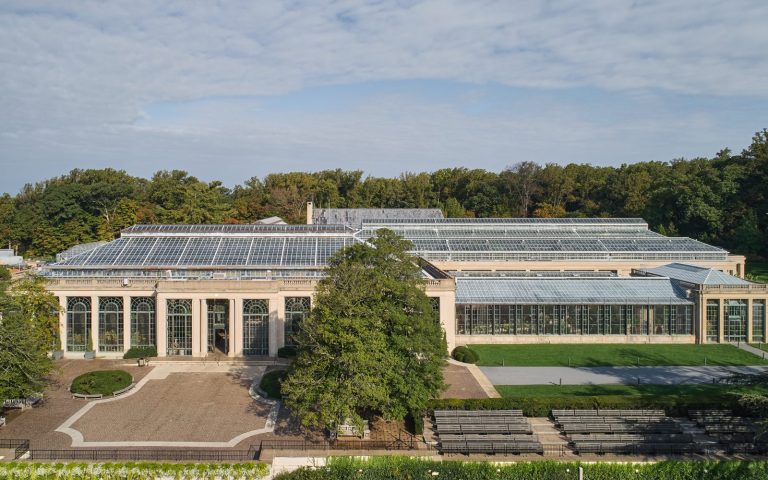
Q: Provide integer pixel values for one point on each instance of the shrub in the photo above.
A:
(102, 382)
(270, 383)
(140, 352)
(414, 423)
(465, 355)
(286, 352)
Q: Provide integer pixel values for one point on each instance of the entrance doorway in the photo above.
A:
(218, 326)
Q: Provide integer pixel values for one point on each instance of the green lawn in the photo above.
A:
(758, 271)
(527, 391)
(761, 346)
(102, 382)
(591, 355)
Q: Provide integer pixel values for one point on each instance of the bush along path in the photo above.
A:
(133, 471)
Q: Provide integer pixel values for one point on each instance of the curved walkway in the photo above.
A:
(611, 375)
(160, 373)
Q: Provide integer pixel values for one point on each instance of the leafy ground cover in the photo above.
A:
(526, 391)
(758, 271)
(593, 355)
(102, 382)
(270, 383)
(392, 468)
(132, 471)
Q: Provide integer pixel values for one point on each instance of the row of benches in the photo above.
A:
(485, 431)
(515, 448)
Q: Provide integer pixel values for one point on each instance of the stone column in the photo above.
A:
(63, 322)
(280, 321)
(273, 302)
(238, 305)
(232, 327)
(95, 323)
(702, 318)
(161, 313)
(204, 328)
(721, 327)
(196, 320)
(750, 320)
(126, 323)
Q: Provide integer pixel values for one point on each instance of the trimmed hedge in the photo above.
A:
(396, 468)
(141, 352)
(465, 355)
(132, 470)
(675, 405)
(286, 352)
(104, 382)
(270, 383)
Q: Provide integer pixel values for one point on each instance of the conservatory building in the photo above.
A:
(243, 290)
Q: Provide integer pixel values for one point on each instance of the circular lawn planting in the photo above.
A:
(104, 382)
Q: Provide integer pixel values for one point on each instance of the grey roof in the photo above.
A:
(231, 229)
(78, 249)
(695, 274)
(430, 220)
(603, 291)
(354, 217)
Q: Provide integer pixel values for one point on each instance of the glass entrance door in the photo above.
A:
(218, 326)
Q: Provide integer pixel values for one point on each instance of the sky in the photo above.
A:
(228, 90)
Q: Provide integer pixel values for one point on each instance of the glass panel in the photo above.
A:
(255, 327)
(735, 320)
(617, 320)
(661, 319)
(78, 323)
(143, 324)
(179, 327)
(435, 304)
(296, 308)
(713, 320)
(758, 320)
(110, 324)
(638, 324)
(218, 325)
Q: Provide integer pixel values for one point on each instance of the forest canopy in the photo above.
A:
(721, 200)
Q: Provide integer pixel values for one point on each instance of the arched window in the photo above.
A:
(255, 327)
(296, 309)
(143, 323)
(179, 320)
(110, 324)
(78, 323)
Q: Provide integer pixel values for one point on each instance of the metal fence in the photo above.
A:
(20, 446)
(153, 455)
(399, 444)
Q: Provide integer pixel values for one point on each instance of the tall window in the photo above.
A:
(255, 327)
(617, 325)
(78, 323)
(758, 320)
(434, 302)
(661, 318)
(179, 327)
(296, 308)
(591, 321)
(682, 320)
(713, 320)
(110, 324)
(735, 320)
(143, 322)
(638, 324)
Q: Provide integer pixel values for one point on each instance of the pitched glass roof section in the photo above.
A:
(354, 217)
(695, 274)
(248, 229)
(570, 291)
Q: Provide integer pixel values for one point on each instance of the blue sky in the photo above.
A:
(234, 89)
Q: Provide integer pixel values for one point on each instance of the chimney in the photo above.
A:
(310, 209)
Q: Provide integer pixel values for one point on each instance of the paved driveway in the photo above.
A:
(610, 375)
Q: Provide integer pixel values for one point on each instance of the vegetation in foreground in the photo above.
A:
(132, 471)
(270, 383)
(704, 390)
(371, 344)
(103, 382)
(757, 271)
(596, 355)
(397, 468)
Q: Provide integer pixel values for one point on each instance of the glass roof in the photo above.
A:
(232, 229)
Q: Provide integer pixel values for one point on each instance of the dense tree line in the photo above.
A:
(721, 200)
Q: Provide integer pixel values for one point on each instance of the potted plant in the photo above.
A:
(89, 353)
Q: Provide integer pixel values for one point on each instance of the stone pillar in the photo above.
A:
(280, 321)
(721, 325)
(750, 320)
(126, 323)
(232, 328)
(95, 323)
(204, 328)
(63, 322)
(702, 318)
(161, 313)
(196, 321)
(273, 301)
(238, 307)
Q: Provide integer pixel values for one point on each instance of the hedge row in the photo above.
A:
(141, 352)
(131, 471)
(394, 468)
(675, 405)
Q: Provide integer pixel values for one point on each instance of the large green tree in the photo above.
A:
(371, 344)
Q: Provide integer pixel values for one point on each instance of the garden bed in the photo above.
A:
(101, 382)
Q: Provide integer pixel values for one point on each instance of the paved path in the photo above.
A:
(611, 375)
(749, 348)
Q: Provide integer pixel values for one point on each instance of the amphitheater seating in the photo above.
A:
(623, 431)
(734, 433)
(485, 431)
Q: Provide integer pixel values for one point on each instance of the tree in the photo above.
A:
(370, 344)
(24, 338)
